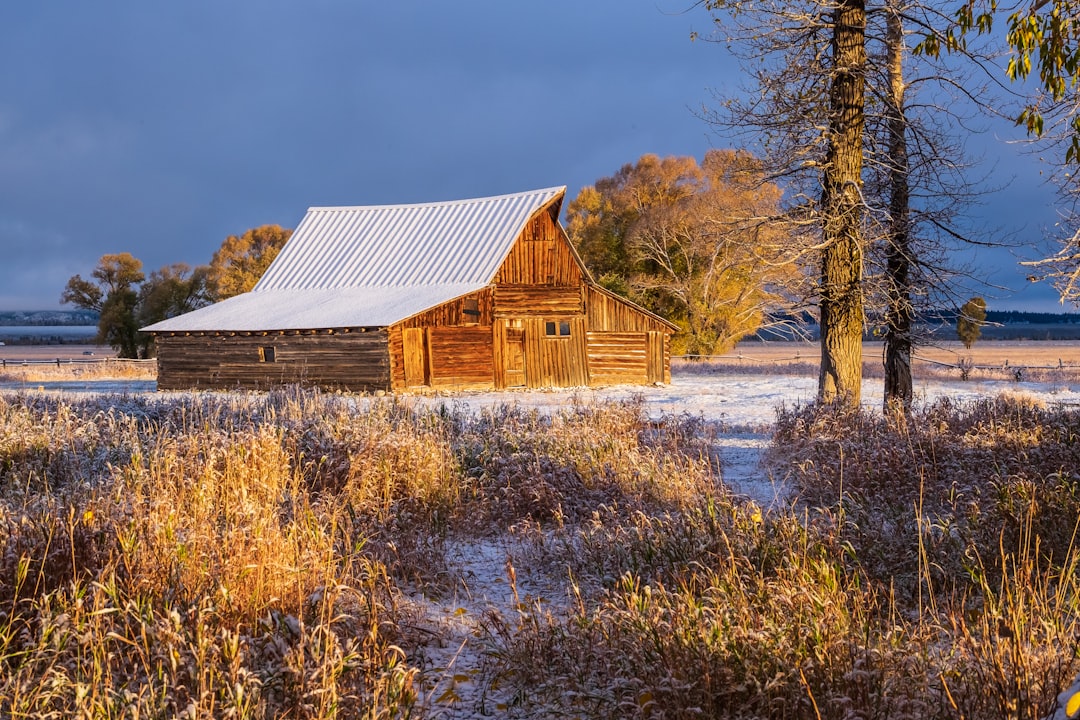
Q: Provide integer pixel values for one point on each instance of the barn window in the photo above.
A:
(266, 354)
(470, 311)
(557, 329)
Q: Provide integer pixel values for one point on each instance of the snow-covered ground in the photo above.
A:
(750, 400)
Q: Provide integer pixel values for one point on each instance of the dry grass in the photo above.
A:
(104, 369)
(249, 555)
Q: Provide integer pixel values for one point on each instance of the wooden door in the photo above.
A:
(654, 358)
(415, 357)
(514, 357)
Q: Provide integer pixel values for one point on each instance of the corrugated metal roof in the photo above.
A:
(462, 241)
(303, 309)
(374, 266)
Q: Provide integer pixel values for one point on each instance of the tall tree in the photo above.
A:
(696, 244)
(113, 294)
(841, 289)
(241, 260)
(809, 62)
(830, 113)
(170, 291)
(899, 312)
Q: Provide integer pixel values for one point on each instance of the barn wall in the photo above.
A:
(608, 313)
(349, 361)
(625, 344)
(454, 348)
(453, 313)
(541, 256)
(555, 361)
(526, 300)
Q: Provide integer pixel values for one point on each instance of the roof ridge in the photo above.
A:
(441, 203)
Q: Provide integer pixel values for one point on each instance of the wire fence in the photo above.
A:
(965, 367)
(60, 362)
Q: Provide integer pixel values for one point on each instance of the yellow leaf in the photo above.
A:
(1073, 705)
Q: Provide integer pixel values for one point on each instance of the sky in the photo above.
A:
(161, 128)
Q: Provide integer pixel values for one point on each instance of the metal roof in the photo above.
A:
(463, 241)
(374, 266)
(306, 309)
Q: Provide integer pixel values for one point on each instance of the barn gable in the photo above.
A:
(476, 293)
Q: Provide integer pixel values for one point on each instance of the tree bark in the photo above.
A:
(899, 314)
(841, 291)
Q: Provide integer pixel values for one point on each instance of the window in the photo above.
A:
(554, 328)
(266, 354)
(470, 311)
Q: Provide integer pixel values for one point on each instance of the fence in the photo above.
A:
(59, 362)
(964, 366)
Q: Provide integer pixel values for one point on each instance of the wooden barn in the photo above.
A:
(482, 293)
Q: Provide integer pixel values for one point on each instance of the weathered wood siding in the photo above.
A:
(555, 361)
(339, 360)
(453, 313)
(617, 358)
(541, 256)
(608, 312)
(532, 300)
(461, 357)
(625, 344)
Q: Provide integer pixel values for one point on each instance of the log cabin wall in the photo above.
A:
(624, 343)
(356, 360)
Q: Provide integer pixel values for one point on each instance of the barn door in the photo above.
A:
(415, 352)
(654, 358)
(514, 357)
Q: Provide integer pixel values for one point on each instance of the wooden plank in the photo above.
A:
(531, 300)
(541, 256)
(351, 361)
(461, 356)
(414, 357)
(618, 358)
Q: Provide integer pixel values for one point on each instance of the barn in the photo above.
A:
(481, 293)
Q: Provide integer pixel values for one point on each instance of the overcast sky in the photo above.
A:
(159, 128)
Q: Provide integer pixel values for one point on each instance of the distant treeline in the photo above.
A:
(38, 318)
(1007, 317)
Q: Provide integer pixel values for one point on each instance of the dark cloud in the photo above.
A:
(160, 128)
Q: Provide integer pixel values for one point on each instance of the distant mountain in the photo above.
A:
(48, 317)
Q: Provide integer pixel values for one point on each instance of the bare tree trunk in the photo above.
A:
(899, 314)
(841, 290)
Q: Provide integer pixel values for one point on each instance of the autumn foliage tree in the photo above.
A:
(693, 243)
(113, 293)
(241, 260)
(127, 300)
(970, 321)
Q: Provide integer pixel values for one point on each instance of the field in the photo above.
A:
(549, 554)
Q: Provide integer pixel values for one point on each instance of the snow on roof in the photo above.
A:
(316, 308)
(372, 266)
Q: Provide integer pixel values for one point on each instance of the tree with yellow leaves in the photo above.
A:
(241, 260)
(696, 244)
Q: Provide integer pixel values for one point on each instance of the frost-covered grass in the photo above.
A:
(76, 370)
(258, 555)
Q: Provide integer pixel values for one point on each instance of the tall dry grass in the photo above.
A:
(250, 555)
(927, 571)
